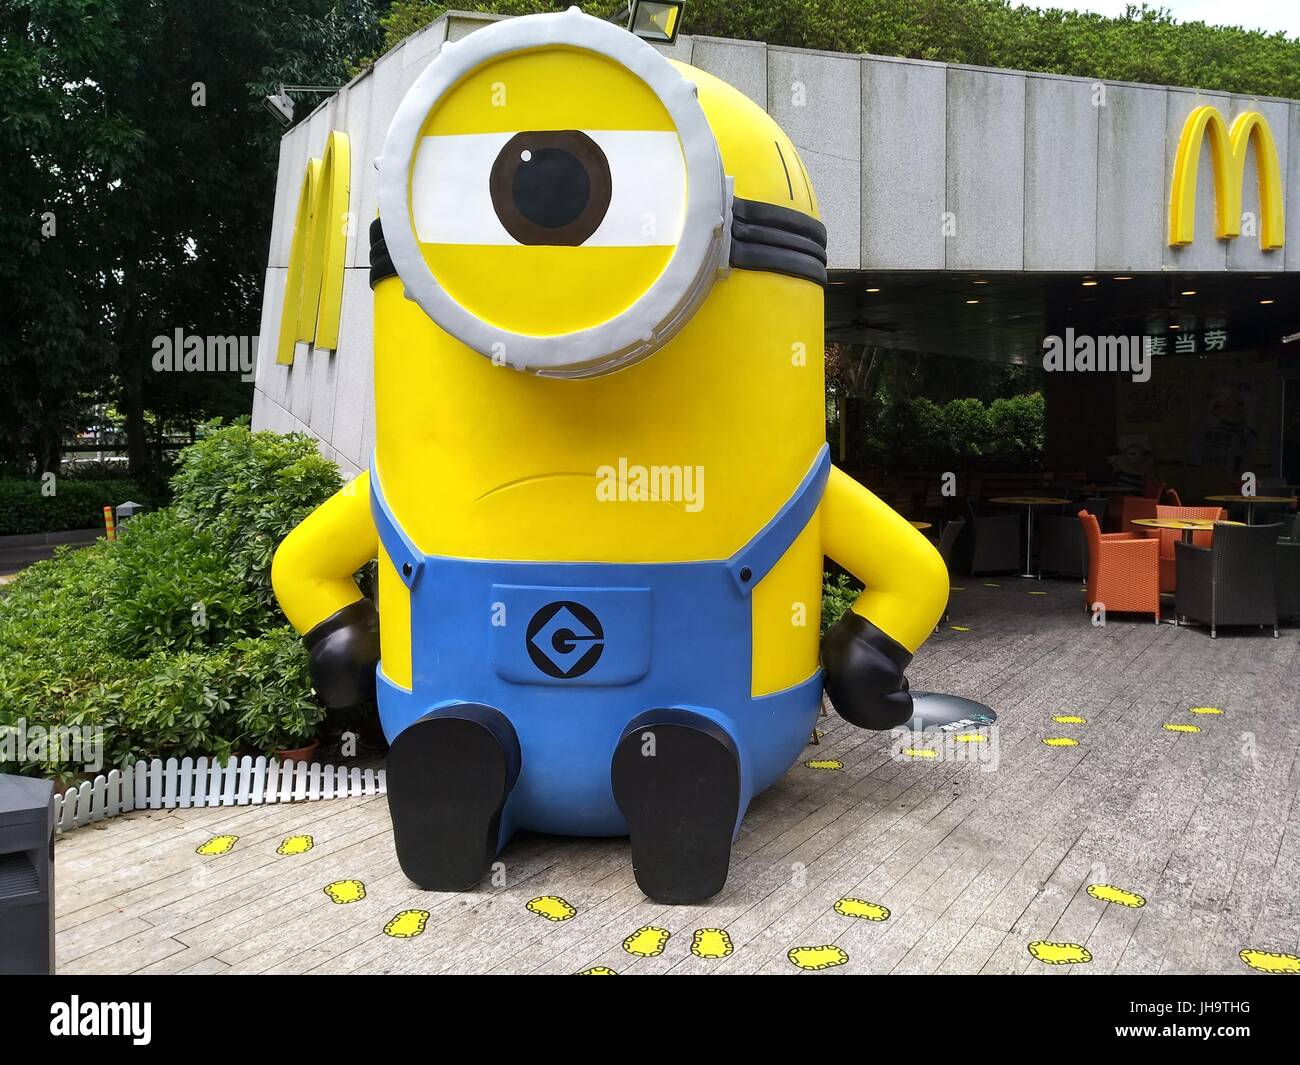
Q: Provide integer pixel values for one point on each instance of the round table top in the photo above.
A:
(1251, 499)
(1028, 501)
(1180, 523)
(920, 525)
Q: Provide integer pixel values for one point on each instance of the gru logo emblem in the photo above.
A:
(565, 639)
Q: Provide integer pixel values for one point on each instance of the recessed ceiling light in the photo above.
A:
(1175, 327)
(873, 290)
(1124, 277)
(1266, 302)
(972, 301)
(1188, 292)
(979, 282)
(1089, 283)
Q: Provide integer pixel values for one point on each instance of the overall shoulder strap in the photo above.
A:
(752, 562)
(407, 559)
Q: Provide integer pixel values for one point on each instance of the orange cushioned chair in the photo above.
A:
(1169, 537)
(1123, 570)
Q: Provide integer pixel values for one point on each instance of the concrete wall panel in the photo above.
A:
(1131, 179)
(1060, 174)
(903, 165)
(986, 169)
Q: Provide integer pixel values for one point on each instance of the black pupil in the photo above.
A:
(551, 187)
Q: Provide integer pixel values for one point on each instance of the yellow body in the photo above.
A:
(483, 461)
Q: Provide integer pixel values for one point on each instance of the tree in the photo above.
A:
(141, 128)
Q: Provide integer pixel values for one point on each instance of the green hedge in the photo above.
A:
(1150, 46)
(75, 504)
(963, 434)
(170, 639)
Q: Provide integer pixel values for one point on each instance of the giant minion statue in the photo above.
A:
(600, 495)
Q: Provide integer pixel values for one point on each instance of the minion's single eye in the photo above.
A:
(551, 187)
(590, 188)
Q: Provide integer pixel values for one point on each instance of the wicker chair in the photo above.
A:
(1061, 546)
(988, 543)
(1123, 570)
(1169, 537)
(1232, 582)
(947, 542)
(1287, 585)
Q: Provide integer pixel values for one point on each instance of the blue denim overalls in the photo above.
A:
(571, 652)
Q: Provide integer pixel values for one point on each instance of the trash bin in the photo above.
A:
(26, 876)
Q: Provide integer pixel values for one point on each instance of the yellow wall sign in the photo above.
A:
(1228, 150)
(313, 290)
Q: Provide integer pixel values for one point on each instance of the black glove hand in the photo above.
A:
(864, 674)
(343, 650)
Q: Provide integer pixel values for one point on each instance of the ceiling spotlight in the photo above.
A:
(1265, 302)
(1089, 283)
(873, 290)
(1188, 292)
(1175, 327)
(655, 20)
(1123, 277)
(972, 301)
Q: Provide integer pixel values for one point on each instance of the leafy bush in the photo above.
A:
(962, 434)
(1145, 44)
(839, 592)
(170, 639)
(77, 503)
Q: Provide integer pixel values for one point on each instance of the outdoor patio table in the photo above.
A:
(1186, 525)
(1029, 502)
(1250, 502)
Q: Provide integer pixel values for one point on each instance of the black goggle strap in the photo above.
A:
(763, 237)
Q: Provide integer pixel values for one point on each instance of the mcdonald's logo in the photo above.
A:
(1228, 149)
(313, 289)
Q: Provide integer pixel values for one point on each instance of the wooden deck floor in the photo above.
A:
(975, 855)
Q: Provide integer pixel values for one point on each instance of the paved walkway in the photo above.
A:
(975, 849)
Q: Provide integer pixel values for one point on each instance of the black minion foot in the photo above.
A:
(448, 778)
(676, 779)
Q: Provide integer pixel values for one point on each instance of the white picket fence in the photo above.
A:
(191, 782)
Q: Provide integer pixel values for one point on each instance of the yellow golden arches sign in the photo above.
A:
(1228, 149)
(313, 290)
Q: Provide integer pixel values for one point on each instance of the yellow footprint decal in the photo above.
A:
(598, 970)
(711, 943)
(824, 957)
(959, 628)
(971, 737)
(345, 891)
(1070, 719)
(296, 845)
(1061, 741)
(920, 752)
(870, 911)
(1207, 710)
(1110, 893)
(216, 845)
(1037, 593)
(824, 763)
(991, 584)
(1268, 962)
(407, 925)
(552, 907)
(1060, 953)
(1170, 726)
(647, 941)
